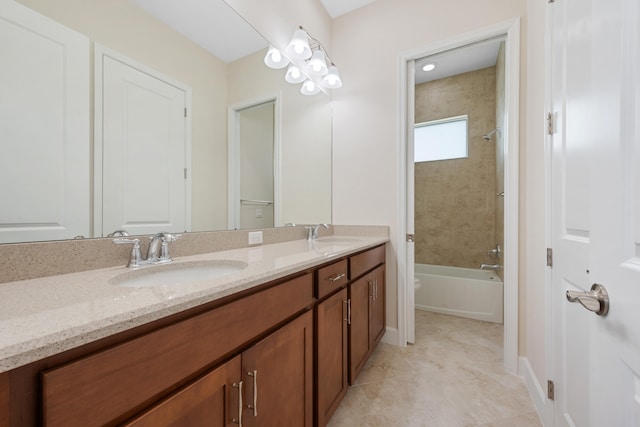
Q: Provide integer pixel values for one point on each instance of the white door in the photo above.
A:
(596, 210)
(144, 151)
(44, 128)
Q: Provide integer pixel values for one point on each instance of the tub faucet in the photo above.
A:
(490, 267)
(313, 231)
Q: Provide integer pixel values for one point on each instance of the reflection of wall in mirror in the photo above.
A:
(123, 27)
(305, 138)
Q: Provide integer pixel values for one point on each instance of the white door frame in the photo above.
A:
(233, 165)
(511, 30)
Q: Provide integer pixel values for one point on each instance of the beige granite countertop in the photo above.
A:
(49, 315)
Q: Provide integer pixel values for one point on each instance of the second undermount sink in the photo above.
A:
(178, 273)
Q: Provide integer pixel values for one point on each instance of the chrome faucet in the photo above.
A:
(158, 242)
(313, 230)
(495, 251)
(490, 267)
(161, 241)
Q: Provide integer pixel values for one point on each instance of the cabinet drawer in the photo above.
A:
(115, 383)
(365, 261)
(331, 277)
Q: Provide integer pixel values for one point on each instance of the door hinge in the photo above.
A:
(411, 238)
(185, 173)
(550, 126)
(550, 390)
(549, 257)
(185, 111)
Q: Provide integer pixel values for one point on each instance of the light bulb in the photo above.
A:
(294, 75)
(317, 64)
(429, 67)
(274, 59)
(332, 80)
(298, 47)
(309, 88)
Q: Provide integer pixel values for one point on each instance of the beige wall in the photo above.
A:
(455, 200)
(305, 137)
(126, 29)
(367, 44)
(534, 306)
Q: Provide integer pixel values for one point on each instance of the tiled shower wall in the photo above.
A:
(455, 200)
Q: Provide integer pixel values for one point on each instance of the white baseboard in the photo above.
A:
(544, 406)
(391, 337)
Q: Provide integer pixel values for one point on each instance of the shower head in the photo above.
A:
(488, 136)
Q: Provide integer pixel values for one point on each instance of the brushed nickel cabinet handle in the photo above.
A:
(337, 277)
(254, 374)
(238, 420)
(348, 311)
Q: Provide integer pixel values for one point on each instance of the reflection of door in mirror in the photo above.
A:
(256, 147)
(141, 125)
(44, 128)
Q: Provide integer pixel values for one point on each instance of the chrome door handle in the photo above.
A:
(596, 300)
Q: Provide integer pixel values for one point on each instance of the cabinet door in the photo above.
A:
(332, 367)
(211, 401)
(278, 377)
(377, 310)
(359, 342)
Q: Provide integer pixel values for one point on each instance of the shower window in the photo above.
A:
(441, 139)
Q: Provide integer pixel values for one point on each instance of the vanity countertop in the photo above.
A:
(46, 316)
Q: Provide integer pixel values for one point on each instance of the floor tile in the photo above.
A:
(451, 377)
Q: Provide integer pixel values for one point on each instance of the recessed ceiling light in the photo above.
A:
(429, 67)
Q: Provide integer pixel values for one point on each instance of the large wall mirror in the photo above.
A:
(254, 152)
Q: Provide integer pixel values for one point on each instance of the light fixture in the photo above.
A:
(274, 59)
(309, 87)
(332, 79)
(294, 75)
(299, 45)
(307, 60)
(429, 67)
(317, 64)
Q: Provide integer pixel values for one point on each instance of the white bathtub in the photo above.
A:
(466, 292)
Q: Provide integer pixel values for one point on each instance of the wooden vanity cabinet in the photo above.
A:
(211, 401)
(367, 303)
(332, 355)
(110, 386)
(269, 384)
(350, 320)
(331, 339)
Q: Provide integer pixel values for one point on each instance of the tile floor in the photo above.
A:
(451, 377)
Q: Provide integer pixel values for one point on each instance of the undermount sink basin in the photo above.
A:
(335, 240)
(178, 273)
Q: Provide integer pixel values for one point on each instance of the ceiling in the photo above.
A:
(458, 61)
(211, 24)
(336, 8)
